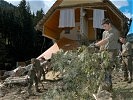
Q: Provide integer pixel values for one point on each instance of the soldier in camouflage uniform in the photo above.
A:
(32, 77)
(109, 43)
(35, 72)
(39, 68)
(127, 59)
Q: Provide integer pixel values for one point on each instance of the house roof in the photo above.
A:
(77, 2)
(59, 4)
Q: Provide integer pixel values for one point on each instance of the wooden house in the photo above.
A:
(70, 22)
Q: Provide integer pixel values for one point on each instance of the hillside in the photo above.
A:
(5, 4)
(5, 60)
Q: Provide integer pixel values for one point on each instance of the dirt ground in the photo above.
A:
(18, 92)
(121, 90)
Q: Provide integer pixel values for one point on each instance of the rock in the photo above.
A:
(16, 80)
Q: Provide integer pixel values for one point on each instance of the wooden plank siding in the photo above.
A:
(51, 28)
(91, 32)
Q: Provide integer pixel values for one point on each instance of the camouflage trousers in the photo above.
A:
(127, 66)
(33, 78)
(108, 70)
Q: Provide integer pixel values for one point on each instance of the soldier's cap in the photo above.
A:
(106, 21)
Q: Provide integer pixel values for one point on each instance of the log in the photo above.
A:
(16, 80)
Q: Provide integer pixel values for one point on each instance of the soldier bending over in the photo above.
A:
(34, 74)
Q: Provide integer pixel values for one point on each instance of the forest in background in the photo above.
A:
(19, 41)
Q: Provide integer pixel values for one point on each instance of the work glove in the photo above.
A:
(92, 45)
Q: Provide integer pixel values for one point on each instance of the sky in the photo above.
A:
(125, 6)
(35, 4)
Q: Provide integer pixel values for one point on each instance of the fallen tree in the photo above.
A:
(82, 72)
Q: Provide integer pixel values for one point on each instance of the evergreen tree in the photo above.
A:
(39, 15)
(18, 34)
(26, 35)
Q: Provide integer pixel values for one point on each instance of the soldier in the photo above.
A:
(35, 72)
(127, 59)
(32, 78)
(39, 68)
(109, 43)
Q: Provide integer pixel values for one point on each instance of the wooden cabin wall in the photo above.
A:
(77, 15)
(91, 31)
(50, 33)
(51, 28)
(75, 31)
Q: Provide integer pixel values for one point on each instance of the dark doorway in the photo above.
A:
(99, 33)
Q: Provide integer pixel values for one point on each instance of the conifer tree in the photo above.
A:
(26, 30)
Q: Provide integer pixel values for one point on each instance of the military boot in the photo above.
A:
(125, 76)
(129, 77)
